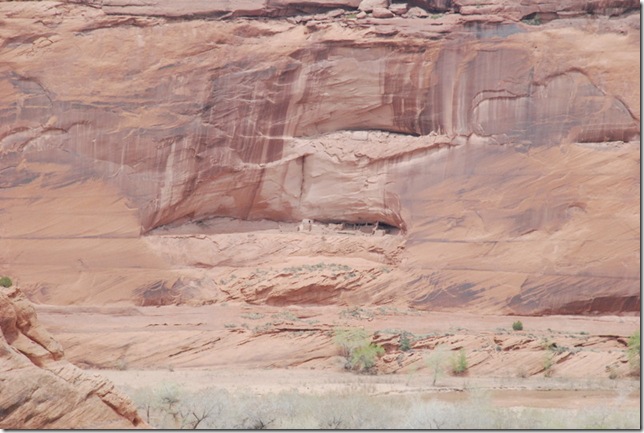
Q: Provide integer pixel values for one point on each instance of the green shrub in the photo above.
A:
(517, 326)
(634, 344)
(634, 352)
(363, 358)
(459, 363)
(6, 282)
(405, 342)
(548, 364)
(356, 346)
(349, 339)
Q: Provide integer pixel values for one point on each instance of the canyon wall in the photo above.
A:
(501, 140)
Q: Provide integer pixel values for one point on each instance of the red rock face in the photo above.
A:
(193, 118)
(41, 389)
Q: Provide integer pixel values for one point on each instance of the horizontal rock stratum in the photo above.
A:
(495, 145)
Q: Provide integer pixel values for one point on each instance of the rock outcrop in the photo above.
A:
(39, 389)
(498, 137)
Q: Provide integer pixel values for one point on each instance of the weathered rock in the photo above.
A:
(335, 13)
(398, 8)
(416, 12)
(42, 390)
(385, 31)
(264, 341)
(220, 8)
(382, 13)
(370, 5)
(547, 9)
(437, 5)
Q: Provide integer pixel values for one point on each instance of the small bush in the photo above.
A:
(459, 363)
(517, 326)
(612, 372)
(349, 339)
(357, 407)
(363, 358)
(252, 316)
(356, 313)
(356, 346)
(548, 364)
(634, 352)
(405, 342)
(435, 361)
(6, 282)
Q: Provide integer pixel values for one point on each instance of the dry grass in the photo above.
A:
(169, 406)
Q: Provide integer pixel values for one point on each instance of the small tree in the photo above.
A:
(356, 346)
(517, 326)
(436, 361)
(6, 282)
(405, 342)
(197, 409)
(459, 363)
(363, 358)
(349, 339)
(168, 397)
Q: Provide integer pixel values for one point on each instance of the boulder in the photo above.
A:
(370, 5)
(416, 12)
(382, 13)
(398, 8)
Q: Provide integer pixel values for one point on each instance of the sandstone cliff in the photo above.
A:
(39, 389)
(498, 141)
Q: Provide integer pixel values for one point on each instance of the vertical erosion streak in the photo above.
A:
(165, 197)
(280, 109)
(257, 186)
(302, 182)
